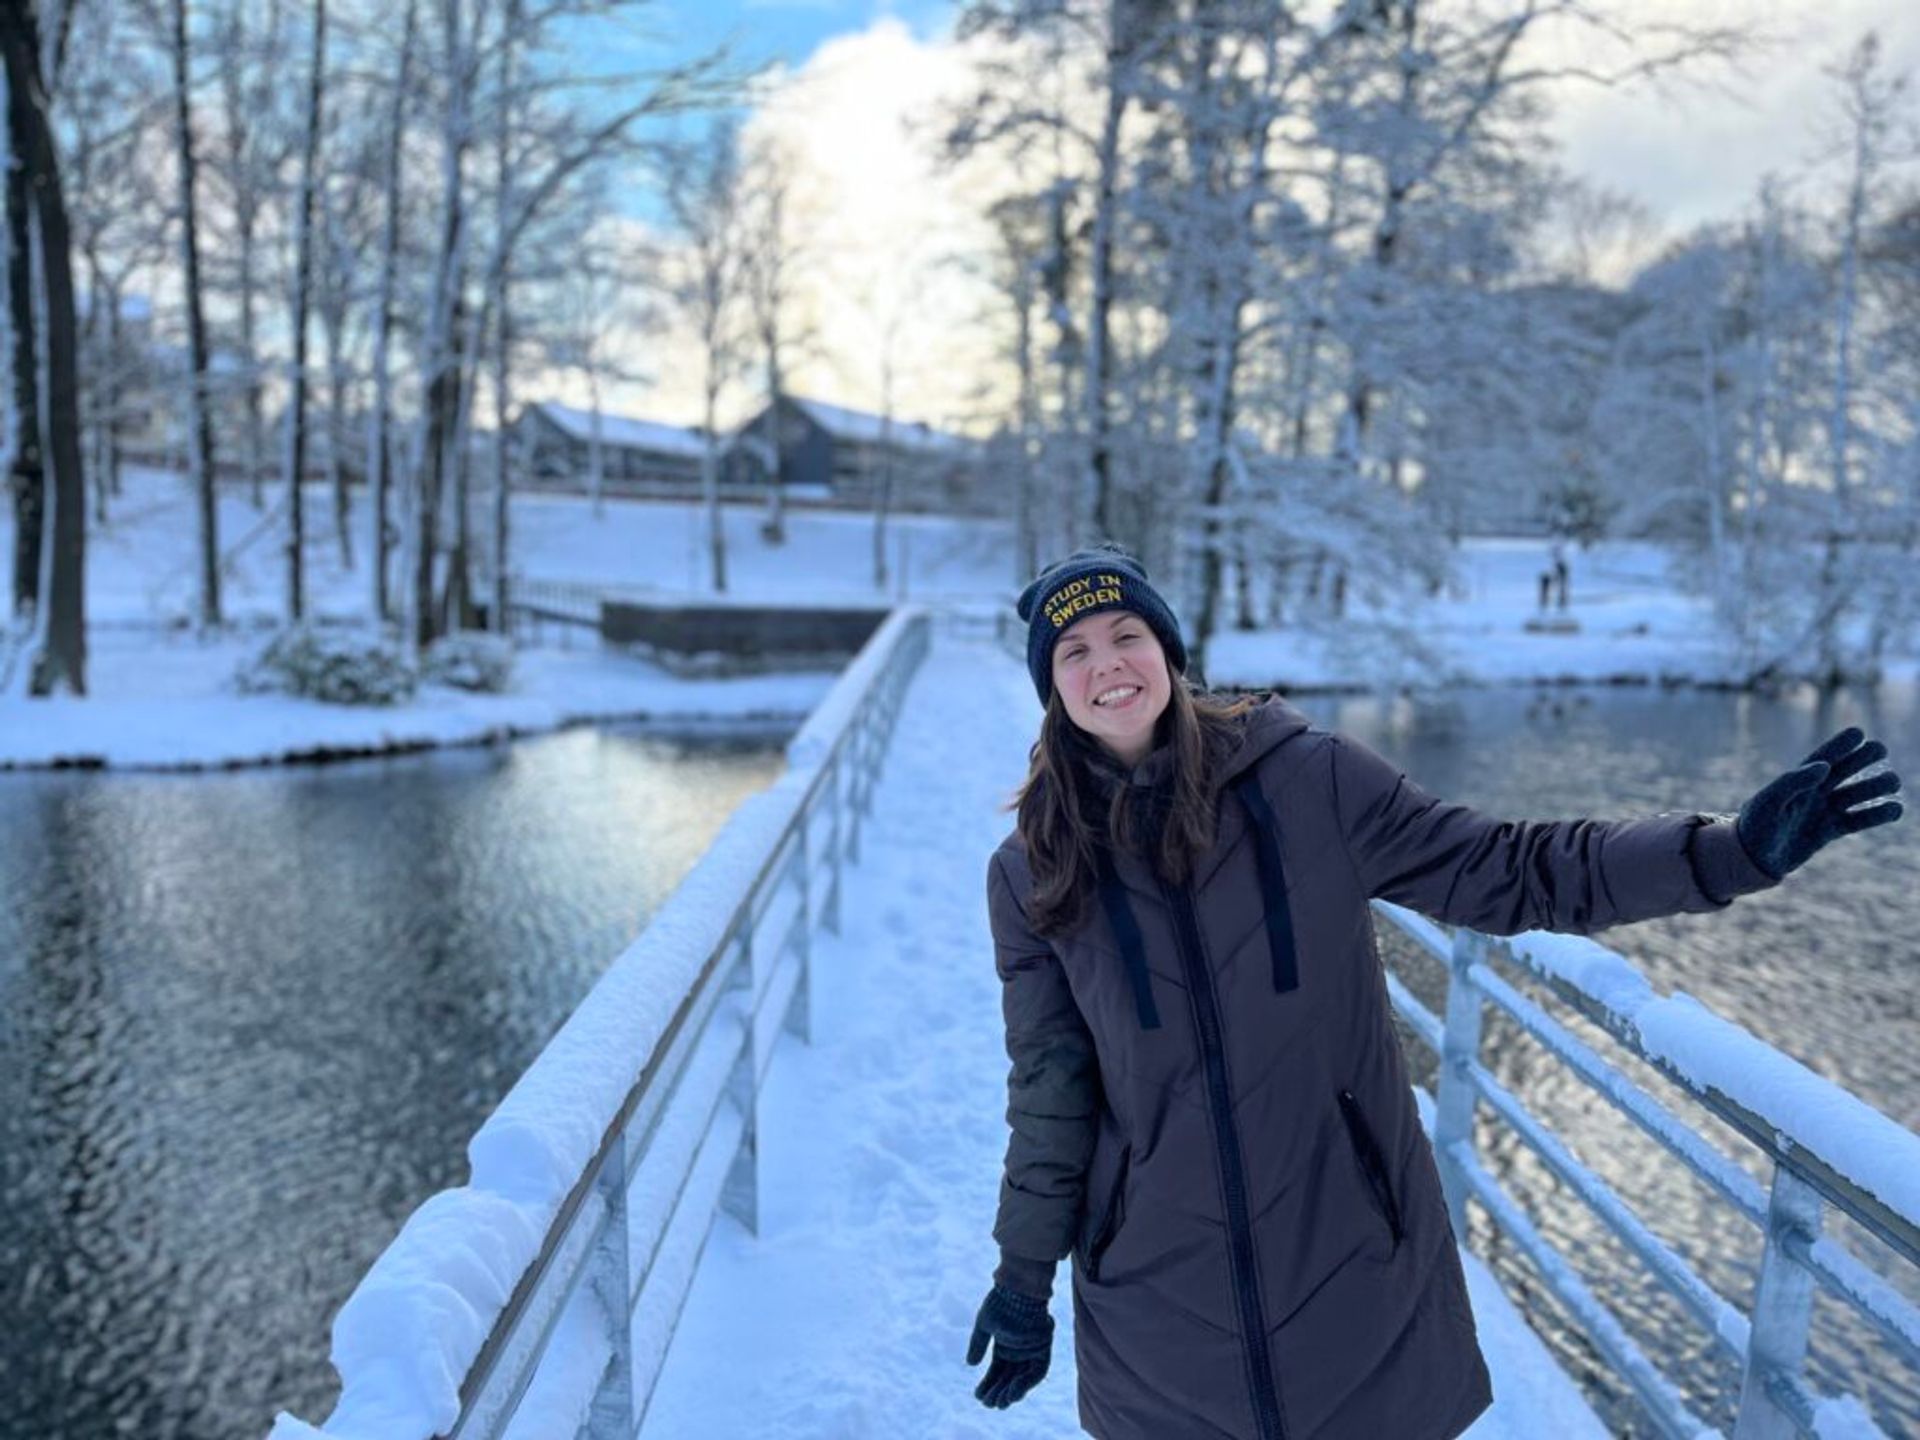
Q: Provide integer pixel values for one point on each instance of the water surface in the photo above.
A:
(248, 1022)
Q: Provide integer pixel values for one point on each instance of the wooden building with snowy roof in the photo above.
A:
(843, 457)
(561, 447)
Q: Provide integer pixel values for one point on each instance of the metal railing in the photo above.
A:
(1770, 1342)
(533, 605)
(583, 1325)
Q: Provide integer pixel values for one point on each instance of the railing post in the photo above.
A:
(857, 758)
(1455, 1094)
(611, 1416)
(740, 1192)
(799, 1016)
(830, 908)
(1782, 1310)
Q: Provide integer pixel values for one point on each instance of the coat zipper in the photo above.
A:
(1246, 1291)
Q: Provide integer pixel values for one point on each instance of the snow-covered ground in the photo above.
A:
(159, 696)
(1635, 626)
(881, 1144)
(163, 703)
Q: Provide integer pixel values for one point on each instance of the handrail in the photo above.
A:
(591, 1195)
(1785, 1111)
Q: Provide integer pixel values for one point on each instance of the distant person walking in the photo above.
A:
(1209, 1111)
(1560, 576)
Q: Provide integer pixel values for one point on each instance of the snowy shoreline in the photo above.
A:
(160, 697)
(1900, 671)
(166, 708)
(751, 722)
(163, 703)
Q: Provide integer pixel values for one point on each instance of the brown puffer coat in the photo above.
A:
(1211, 1112)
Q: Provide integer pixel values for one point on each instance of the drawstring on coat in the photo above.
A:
(1126, 930)
(1273, 887)
(1273, 882)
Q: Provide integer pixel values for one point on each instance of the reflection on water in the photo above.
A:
(1825, 967)
(248, 1021)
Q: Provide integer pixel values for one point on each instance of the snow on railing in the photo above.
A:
(1826, 1145)
(539, 1298)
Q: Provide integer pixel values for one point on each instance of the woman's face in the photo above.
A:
(1112, 677)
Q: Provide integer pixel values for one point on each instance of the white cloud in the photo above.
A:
(886, 231)
(1694, 153)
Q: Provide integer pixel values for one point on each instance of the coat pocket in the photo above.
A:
(1110, 1215)
(1373, 1164)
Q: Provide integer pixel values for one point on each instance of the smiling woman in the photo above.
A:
(1209, 1109)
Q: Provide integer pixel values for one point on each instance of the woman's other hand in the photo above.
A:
(1784, 824)
(1022, 1336)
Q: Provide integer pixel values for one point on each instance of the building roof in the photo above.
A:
(624, 431)
(869, 429)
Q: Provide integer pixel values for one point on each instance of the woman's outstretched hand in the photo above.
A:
(1783, 825)
(1022, 1335)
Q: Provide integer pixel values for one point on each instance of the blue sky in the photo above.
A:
(786, 31)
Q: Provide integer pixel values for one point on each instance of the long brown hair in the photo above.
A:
(1060, 815)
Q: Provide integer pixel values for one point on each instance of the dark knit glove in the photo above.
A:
(1022, 1335)
(1783, 825)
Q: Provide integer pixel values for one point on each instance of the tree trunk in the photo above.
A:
(302, 280)
(503, 325)
(1716, 490)
(883, 493)
(57, 652)
(105, 460)
(597, 450)
(379, 422)
(255, 437)
(99, 385)
(441, 429)
(1831, 606)
(333, 322)
(1026, 537)
(441, 411)
(240, 99)
(200, 458)
(456, 605)
(710, 489)
(1099, 473)
(29, 478)
(775, 528)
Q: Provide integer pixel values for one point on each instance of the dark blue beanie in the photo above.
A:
(1103, 577)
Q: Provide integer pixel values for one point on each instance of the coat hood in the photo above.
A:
(1262, 729)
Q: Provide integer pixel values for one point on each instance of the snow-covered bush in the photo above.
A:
(345, 666)
(470, 660)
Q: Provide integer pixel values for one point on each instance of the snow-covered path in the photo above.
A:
(881, 1143)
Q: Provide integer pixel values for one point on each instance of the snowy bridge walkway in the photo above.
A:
(880, 1144)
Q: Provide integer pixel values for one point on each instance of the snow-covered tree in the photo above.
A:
(198, 401)
(300, 307)
(774, 254)
(703, 193)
